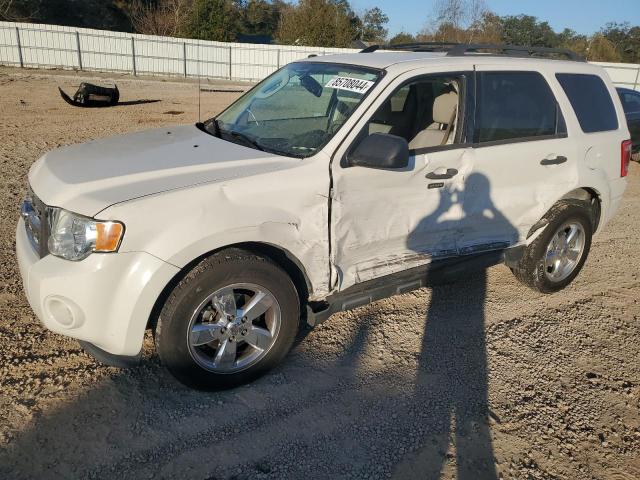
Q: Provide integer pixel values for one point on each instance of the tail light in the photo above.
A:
(625, 158)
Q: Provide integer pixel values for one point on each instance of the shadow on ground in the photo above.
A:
(318, 416)
(326, 413)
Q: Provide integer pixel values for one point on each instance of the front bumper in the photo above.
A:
(105, 299)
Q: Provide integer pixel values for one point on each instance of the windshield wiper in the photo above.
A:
(243, 138)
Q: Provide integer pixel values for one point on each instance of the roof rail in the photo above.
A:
(460, 49)
(423, 46)
(514, 51)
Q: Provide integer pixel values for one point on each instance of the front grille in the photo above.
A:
(36, 223)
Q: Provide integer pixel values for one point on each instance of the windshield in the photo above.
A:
(297, 110)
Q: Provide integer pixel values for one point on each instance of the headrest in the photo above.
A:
(444, 106)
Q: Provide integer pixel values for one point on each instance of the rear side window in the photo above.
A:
(590, 100)
(515, 106)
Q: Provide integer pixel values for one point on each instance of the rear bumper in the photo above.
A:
(105, 299)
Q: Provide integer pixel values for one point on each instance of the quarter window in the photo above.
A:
(590, 100)
(515, 105)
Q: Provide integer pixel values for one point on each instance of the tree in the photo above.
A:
(18, 10)
(526, 30)
(320, 23)
(105, 14)
(459, 14)
(486, 29)
(373, 25)
(260, 17)
(571, 40)
(217, 20)
(402, 37)
(626, 40)
(602, 49)
(165, 18)
(451, 13)
(460, 21)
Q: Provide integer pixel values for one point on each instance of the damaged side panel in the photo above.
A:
(287, 209)
(386, 221)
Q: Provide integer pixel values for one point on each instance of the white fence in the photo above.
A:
(52, 46)
(623, 74)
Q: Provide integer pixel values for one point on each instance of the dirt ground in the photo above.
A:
(459, 382)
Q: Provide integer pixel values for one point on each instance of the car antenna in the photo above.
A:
(199, 40)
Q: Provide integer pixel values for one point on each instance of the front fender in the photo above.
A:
(286, 209)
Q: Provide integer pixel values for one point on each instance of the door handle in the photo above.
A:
(442, 174)
(553, 161)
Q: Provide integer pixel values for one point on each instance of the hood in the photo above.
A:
(89, 177)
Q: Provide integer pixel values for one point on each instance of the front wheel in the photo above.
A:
(555, 258)
(232, 318)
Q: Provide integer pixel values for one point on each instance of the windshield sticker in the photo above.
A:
(350, 84)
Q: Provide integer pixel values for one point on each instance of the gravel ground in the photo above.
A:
(482, 379)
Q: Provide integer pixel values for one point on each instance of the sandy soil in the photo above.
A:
(452, 382)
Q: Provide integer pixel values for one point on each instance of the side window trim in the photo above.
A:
(473, 131)
(539, 138)
(465, 112)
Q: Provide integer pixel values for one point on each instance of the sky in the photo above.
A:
(583, 16)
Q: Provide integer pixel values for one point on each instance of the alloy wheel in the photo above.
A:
(234, 328)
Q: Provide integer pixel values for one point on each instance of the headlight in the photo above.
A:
(75, 237)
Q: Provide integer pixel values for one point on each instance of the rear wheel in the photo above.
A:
(635, 157)
(231, 319)
(555, 258)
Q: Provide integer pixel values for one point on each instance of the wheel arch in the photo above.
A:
(590, 195)
(280, 256)
(585, 194)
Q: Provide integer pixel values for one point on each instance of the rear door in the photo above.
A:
(522, 157)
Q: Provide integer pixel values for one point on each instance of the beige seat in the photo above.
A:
(445, 107)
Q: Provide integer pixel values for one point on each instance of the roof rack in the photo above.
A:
(423, 46)
(453, 49)
(514, 51)
(370, 48)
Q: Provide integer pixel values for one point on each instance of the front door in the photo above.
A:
(385, 220)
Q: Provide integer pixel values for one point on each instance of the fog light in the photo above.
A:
(63, 311)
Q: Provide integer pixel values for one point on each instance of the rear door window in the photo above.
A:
(515, 106)
(590, 100)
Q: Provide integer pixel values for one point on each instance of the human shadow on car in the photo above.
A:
(452, 375)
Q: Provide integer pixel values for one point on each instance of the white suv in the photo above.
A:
(337, 181)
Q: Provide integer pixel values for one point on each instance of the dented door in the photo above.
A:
(386, 221)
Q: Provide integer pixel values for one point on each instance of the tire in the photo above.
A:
(195, 335)
(635, 157)
(534, 269)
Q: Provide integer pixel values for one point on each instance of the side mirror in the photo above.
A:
(380, 150)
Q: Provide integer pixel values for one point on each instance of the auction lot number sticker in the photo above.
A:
(350, 84)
